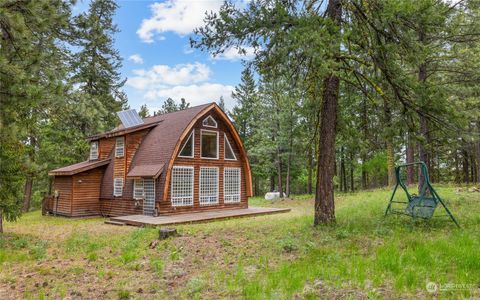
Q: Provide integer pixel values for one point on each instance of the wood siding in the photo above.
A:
(165, 207)
(86, 193)
(63, 184)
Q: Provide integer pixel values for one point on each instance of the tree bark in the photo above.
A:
(478, 154)
(272, 183)
(1, 221)
(466, 177)
(310, 169)
(324, 196)
(352, 185)
(279, 171)
(27, 195)
(409, 159)
(287, 181)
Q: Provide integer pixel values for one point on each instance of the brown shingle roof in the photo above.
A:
(80, 167)
(158, 145)
(146, 171)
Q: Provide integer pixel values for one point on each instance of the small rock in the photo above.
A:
(154, 243)
(140, 291)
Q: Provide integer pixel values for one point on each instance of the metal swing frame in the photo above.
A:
(422, 206)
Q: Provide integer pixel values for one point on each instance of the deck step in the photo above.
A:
(112, 222)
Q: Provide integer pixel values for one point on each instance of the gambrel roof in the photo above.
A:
(162, 143)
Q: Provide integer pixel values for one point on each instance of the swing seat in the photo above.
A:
(421, 207)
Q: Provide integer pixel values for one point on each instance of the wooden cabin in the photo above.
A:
(185, 161)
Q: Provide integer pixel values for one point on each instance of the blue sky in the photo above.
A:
(157, 59)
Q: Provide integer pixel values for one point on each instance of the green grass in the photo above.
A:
(267, 257)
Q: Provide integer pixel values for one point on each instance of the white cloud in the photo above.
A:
(189, 81)
(165, 75)
(136, 58)
(195, 94)
(233, 54)
(177, 16)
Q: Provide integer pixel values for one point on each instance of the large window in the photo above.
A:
(94, 150)
(188, 147)
(231, 185)
(120, 147)
(229, 155)
(208, 185)
(138, 189)
(182, 186)
(209, 142)
(118, 187)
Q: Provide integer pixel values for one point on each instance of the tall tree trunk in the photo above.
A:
(343, 173)
(272, 183)
(27, 195)
(310, 169)
(410, 158)
(352, 186)
(279, 171)
(324, 197)
(287, 181)
(389, 144)
(363, 153)
(466, 177)
(457, 167)
(1, 220)
(478, 153)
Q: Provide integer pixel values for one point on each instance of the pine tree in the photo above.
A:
(144, 111)
(97, 64)
(32, 81)
(221, 103)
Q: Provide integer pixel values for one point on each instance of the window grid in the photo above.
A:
(117, 187)
(119, 147)
(138, 189)
(182, 186)
(94, 150)
(149, 193)
(208, 185)
(231, 185)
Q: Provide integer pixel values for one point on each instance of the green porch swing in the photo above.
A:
(422, 206)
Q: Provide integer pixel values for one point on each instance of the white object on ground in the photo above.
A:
(273, 195)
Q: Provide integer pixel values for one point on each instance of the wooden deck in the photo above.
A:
(184, 218)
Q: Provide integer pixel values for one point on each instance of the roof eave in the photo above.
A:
(120, 132)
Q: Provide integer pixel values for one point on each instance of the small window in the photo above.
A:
(228, 149)
(208, 185)
(182, 186)
(209, 122)
(93, 150)
(209, 143)
(138, 189)
(231, 185)
(118, 187)
(188, 147)
(120, 147)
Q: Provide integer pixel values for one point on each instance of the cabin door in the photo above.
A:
(149, 199)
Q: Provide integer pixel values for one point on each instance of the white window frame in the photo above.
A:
(201, 144)
(137, 187)
(120, 148)
(94, 154)
(209, 199)
(192, 135)
(181, 200)
(118, 190)
(228, 197)
(210, 118)
(225, 142)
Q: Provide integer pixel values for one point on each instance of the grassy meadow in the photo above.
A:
(278, 256)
